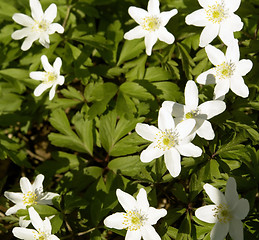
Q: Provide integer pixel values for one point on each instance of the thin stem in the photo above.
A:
(67, 16)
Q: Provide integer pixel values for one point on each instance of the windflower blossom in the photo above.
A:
(218, 18)
(31, 194)
(40, 26)
(42, 232)
(151, 25)
(201, 114)
(168, 140)
(227, 212)
(50, 78)
(228, 71)
(139, 216)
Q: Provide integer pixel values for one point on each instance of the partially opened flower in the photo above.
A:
(191, 110)
(42, 229)
(226, 213)
(228, 71)
(151, 25)
(31, 194)
(50, 78)
(218, 18)
(139, 216)
(40, 26)
(168, 140)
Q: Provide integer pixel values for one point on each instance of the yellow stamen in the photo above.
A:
(216, 13)
(225, 70)
(134, 220)
(30, 198)
(166, 139)
(150, 23)
(222, 213)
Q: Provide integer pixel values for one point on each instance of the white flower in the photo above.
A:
(40, 26)
(169, 141)
(138, 217)
(50, 78)
(151, 25)
(42, 232)
(31, 194)
(228, 71)
(191, 110)
(227, 212)
(218, 18)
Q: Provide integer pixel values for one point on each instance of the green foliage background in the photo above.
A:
(84, 140)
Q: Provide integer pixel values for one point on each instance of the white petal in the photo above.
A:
(235, 22)
(150, 40)
(27, 43)
(173, 162)
(126, 200)
(233, 53)
(206, 3)
(212, 108)
(189, 150)
(133, 235)
(232, 5)
(231, 193)
(53, 237)
(52, 92)
(36, 10)
(236, 231)
(208, 34)
(176, 109)
(134, 33)
(226, 32)
(25, 185)
(185, 127)
(19, 34)
(219, 231)
(149, 232)
(241, 209)
(45, 63)
(153, 215)
(38, 75)
(150, 153)
(38, 182)
(153, 7)
(47, 226)
(165, 16)
(35, 219)
(207, 77)
(142, 201)
(206, 214)
(215, 56)
(191, 95)
(24, 233)
(57, 64)
(165, 120)
(24, 223)
(215, 195)
(14, 209)
(23, 19)
(50, 13)
(197, 18)
(41, 88)
(47, 198)
(44, 39)
(238, 86)
(165, 36)
(221, 88)
(206, 131)
(243, 67)
(14, 197)
(55, 27)
(115, 221)
(146, 131)
(137, 14)
(60, 80)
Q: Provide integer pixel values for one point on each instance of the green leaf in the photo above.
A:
(133, 89)
(154, 74)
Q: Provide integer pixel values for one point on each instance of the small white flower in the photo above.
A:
(40, 26)
(169, 141)
(31, 194)
(42, 232)
(191, 110)
(151, 25)
(139, 216)
(50, 78)
(227, 212)
(218, 18)
(228, 71)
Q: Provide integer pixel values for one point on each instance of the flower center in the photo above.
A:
(216, 13)
(150, 23)
(134, 220)
(191, 114)
(225, 70)
(40, 236)
(41, 26)
(50, 77)
(222, 213)
(167, 139)
(30, 198)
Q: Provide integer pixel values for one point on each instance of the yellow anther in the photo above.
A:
(225, 70)
(30, 198)
(216, 13)
(50, 77)
(150, 23)
(134, 220)
(222, 213)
